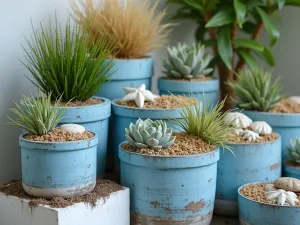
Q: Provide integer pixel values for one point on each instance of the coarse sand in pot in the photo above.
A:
(163, 102)
(89, 102)
(238, 139)
(292, 164)
(203, 78)
(58, 135)
(184, 144)
(286, 106)
(102, 190)
(256, 192)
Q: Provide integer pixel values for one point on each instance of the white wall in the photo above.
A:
(15, 25)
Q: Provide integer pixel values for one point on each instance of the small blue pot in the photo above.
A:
(170, 190)
(58, 169)
(287, 125)
(256, 213)
(250, 163)
(291, 169)
(123, 116)
(94, 118)
(199, 89)
(129, 73)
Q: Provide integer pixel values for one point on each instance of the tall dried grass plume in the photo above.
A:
(135, 27)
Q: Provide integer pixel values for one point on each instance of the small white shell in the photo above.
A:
(261, 127)
(238, 120)
(238, 131)
(295, 99)
(270, 187)
(73, 128)
(250, 135)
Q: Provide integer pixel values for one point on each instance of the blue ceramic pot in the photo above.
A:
(199, 89)
(291, 169)
(94, 118)
(170, 190)
(256, 213)
(250, 163)
(287, 125)
(129, 73)
(62, 169)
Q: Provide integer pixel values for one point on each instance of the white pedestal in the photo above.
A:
(114, 210)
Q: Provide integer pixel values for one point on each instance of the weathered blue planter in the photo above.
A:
(62, 169)
(287, 125)
(250, 163)
(255, 213)
(199, 89)
(291, 169)
(94, 118)
(123, 116)
(129, 73)
(170, 190)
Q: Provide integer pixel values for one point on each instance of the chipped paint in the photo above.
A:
(275, 166)
(195, 206)
(155, 204)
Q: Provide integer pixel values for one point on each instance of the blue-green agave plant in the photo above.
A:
(293, 151)
(149, 134)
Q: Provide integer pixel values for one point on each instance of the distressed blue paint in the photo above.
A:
(129, 73)
(199, 89)
(250, 163)
(165, 187)
(94, 118)
(287, 125)
(256, 213)
(58, 164)
(291, 171)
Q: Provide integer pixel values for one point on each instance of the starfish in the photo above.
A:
(280, 196)
(139, 95)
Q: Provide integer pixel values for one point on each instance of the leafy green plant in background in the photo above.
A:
(219, 22)
(37, 115)
(293, 151)
(255, 90)
(62, 62)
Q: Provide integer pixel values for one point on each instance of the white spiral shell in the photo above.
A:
(261, 127)
(238, 120)
(73, 128)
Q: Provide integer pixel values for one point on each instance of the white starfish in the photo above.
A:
(280, 196)
(139, 95)
(250, 135)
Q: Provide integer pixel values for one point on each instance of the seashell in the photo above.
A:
(238, 131)
(282, 197)
(238, 120)
(288, 184)
(261, 127)
(295, 99)
(73, 128)
(250, 135)
(270, 187)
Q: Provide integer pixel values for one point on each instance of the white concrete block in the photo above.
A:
(113, 210)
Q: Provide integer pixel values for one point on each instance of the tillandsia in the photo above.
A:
(256, 91)
(37, 116)
(187, 62)
(149, 134)
(136, 27)
(62, 62)
(293, 151)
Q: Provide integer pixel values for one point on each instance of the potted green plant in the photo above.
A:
(56, 162)
(59, 60)
(263, 101)
(187, 69)
(135, 29)
(291, 166)
(172, 176)
(220, 22)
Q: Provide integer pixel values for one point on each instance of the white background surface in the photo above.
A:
(15, 25)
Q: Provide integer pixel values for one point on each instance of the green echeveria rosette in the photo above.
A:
(187, 62)
(293, 151)
(149, 134)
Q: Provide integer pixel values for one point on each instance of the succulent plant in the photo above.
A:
(293, 151)
(187, 62)
(149, 134)
(256, 91)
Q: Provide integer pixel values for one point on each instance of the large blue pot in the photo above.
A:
(291, 169)
(170, 190)
(287, 125)
(129, 73)
(199, 89)
(94, 118)
(250, 163)
(62, 169)
(255, 213)
(123, 116)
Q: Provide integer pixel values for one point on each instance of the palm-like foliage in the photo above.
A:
(207, 123)
(256, 91)
(62, 62)
(37, 115)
